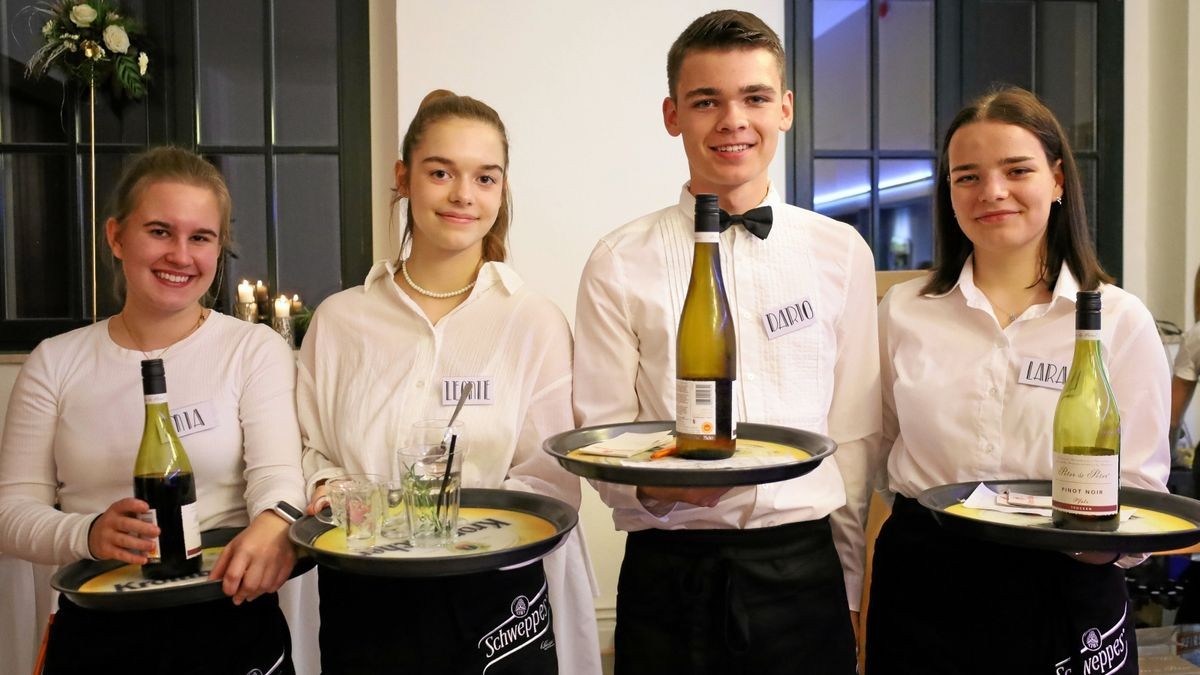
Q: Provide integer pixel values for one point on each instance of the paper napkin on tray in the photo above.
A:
(1008, 501)
(629, 444)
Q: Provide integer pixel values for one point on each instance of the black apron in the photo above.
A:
(205, 638)
(762, 601)
(944, 604)
(496, 622)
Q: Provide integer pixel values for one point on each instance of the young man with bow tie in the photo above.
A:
(766, 578)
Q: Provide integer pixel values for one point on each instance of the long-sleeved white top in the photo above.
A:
(823, 377)
(1187, 361)
(372, 365)
(965, 400)
(75, 420)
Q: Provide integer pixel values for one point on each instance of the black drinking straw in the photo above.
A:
(446, 477)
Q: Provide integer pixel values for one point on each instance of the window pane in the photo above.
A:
(246, 176)
(37, 223)
(841, 74)
(229, 43)
(999, 44)
(309, 241)
(1066, 67)
(904, 239)
(306, 72)
(30, 110)
(842, 190)
(906, 76)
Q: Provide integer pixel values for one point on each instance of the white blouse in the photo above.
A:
(821, 377)
(371, 365)
(75, 421)
(966, 400)
(1187, 361)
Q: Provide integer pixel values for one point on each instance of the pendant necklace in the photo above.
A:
(137, 343)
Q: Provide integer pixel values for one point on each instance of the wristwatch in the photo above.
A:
(287, 511)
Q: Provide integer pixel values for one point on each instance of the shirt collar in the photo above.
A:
(687, 201)
(1066, 287)
(490, 274)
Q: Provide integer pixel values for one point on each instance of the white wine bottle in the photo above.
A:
(162, 477)
(1087, 433)
(705, 350)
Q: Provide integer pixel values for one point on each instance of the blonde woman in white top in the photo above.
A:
(968, 361)
(378, 357)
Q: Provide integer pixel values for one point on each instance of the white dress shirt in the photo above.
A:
(963, 399)
(371, 365)
(822, 378)
(75, 421)
(1187, 361)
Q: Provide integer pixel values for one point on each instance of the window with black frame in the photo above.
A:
(274, 93)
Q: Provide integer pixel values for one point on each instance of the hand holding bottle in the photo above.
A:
(118, 533)
(257, 561)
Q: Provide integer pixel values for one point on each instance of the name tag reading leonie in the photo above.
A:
(482, 390)
(1041, 373)
(789, 318)
(194, 418)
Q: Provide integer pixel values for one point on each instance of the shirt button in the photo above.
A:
(420, 383)
(993, 391)
(989, 447)
(750, 376)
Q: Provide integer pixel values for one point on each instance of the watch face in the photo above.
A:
(288, 511)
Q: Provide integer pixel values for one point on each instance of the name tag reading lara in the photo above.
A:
(483, 390)
(789, 318)
(194, 418)
(1041, 373)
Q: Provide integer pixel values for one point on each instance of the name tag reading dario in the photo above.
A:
(482, 390)
(194, 418)
(789, 318)
(1041, 373)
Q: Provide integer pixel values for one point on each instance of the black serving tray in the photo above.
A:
(1158, 509)
(698, 473)
(70, 579)
(539, 523)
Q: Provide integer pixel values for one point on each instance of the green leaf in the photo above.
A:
(129, 77)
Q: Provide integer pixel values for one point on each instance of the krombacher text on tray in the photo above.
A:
(1087, 433)
(162, 477)
(705, 350)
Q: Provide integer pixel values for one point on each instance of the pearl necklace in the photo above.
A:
(428, 293)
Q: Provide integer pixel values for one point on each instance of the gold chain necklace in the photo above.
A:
(137, 343)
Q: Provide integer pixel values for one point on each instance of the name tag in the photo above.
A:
(789, 318)
(482, 390)
(1039, 373)
(194, 418)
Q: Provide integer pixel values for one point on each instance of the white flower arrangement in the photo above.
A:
(89, 40)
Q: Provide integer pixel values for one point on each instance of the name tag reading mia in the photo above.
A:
(194, 418)
(1041, 373)
(482, 390)
(789, 318)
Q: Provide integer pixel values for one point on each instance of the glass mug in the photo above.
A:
(432, 482)
(356, 506)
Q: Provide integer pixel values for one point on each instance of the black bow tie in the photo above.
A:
(756, 221)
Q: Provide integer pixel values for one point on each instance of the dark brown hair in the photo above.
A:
(1067, 236)
(439, 105)
(724, 29)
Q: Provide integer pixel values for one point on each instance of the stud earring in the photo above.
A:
(1058, 200)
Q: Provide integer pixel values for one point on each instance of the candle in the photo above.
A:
(245, 292)
(260, 292)
(283, 307)
(297, 306)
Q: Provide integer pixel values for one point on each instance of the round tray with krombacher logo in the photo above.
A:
(1159, 521)
(764, 454)
(114, 585)
(496, 528)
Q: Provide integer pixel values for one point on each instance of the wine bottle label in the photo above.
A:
(708, 237)
(190, 514)
(1086, 485)
(696, 407)
(1087, 334)
(154, 555)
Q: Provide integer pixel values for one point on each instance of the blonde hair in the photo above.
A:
(441, 104)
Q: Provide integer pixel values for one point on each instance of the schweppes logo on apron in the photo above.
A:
(528, 622)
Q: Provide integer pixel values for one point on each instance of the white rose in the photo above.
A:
(143, 61)
(83, 15)
(116, 39)
(48, 28)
